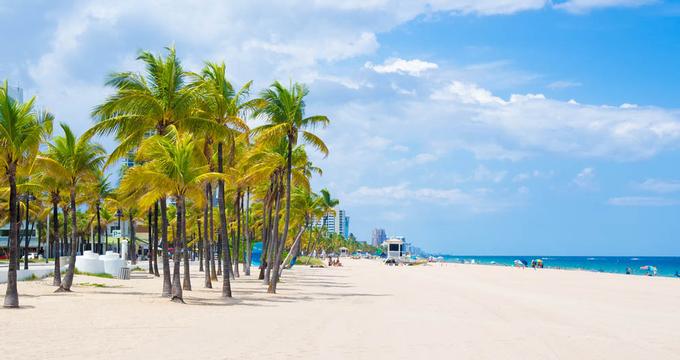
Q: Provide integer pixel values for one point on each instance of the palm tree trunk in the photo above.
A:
(99, 230)
(289, 175)
(293, 251)
(177, 246)
(155, 239)
(55, 240)
(200, 245)
(235, 242)
(11, 293)
(274, 241)
(167, 285)
(68, 279)
(149, 238)
(67, 249)
(213, 269)
(226, 284)
(266, 215)
(26, 234)
(185, 251)
(133, 240)
(207, 282)
(247, 251)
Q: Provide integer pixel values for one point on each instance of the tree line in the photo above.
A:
(202, 179)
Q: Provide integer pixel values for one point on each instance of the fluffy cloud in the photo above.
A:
(413, 67)
(533, 121)
(579, 6)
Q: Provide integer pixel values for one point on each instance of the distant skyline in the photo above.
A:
(469, 127)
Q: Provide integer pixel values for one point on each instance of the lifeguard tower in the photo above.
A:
(394, 247)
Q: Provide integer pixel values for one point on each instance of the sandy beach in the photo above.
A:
(364, 310)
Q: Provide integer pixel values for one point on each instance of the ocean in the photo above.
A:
(665, 265)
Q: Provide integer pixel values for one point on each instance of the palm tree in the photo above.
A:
(172, 166)
(74, 160)
(150, 103)
(53, 186)
(21, 132)
(220, 103)
(284, 112)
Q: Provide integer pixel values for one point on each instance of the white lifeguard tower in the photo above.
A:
(394, 248)
(344, 252)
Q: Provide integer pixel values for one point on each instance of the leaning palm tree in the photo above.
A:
(74, 160)
(172, 166)
(22, 130)
(284, 112)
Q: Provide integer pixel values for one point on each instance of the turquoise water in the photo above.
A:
(666, 266)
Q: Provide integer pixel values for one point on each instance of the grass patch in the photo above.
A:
(307, 260)
(98, 285)
(102, 275)
(137, 268)
(32, 278)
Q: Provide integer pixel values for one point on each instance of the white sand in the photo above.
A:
(364, 310)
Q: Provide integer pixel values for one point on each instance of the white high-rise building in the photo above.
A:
(334, 223)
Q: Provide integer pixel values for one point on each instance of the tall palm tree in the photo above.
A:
(22, 130)
(284, 112)
(172, 166)
(149, 103)
(220, 103)
(75, 160)
(53, 186)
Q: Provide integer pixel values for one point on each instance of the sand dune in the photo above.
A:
(364, 310)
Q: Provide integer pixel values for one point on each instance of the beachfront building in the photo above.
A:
(378, 236)
(343, 224)
(33, 239)
(336, 222)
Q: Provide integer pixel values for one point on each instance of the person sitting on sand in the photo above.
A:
(330, 261)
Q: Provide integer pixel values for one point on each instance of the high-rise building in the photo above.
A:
(377, 237)
(342, 224)
(336, 222)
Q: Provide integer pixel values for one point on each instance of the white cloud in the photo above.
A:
(580, 6)
(641, 201)
(659, 186)
(478, 200)
(563, 84)
(536, 122)
(413, 67)
(585, 179)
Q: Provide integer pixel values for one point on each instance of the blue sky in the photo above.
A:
(468, 126)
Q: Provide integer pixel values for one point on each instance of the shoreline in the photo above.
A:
(627, 262)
